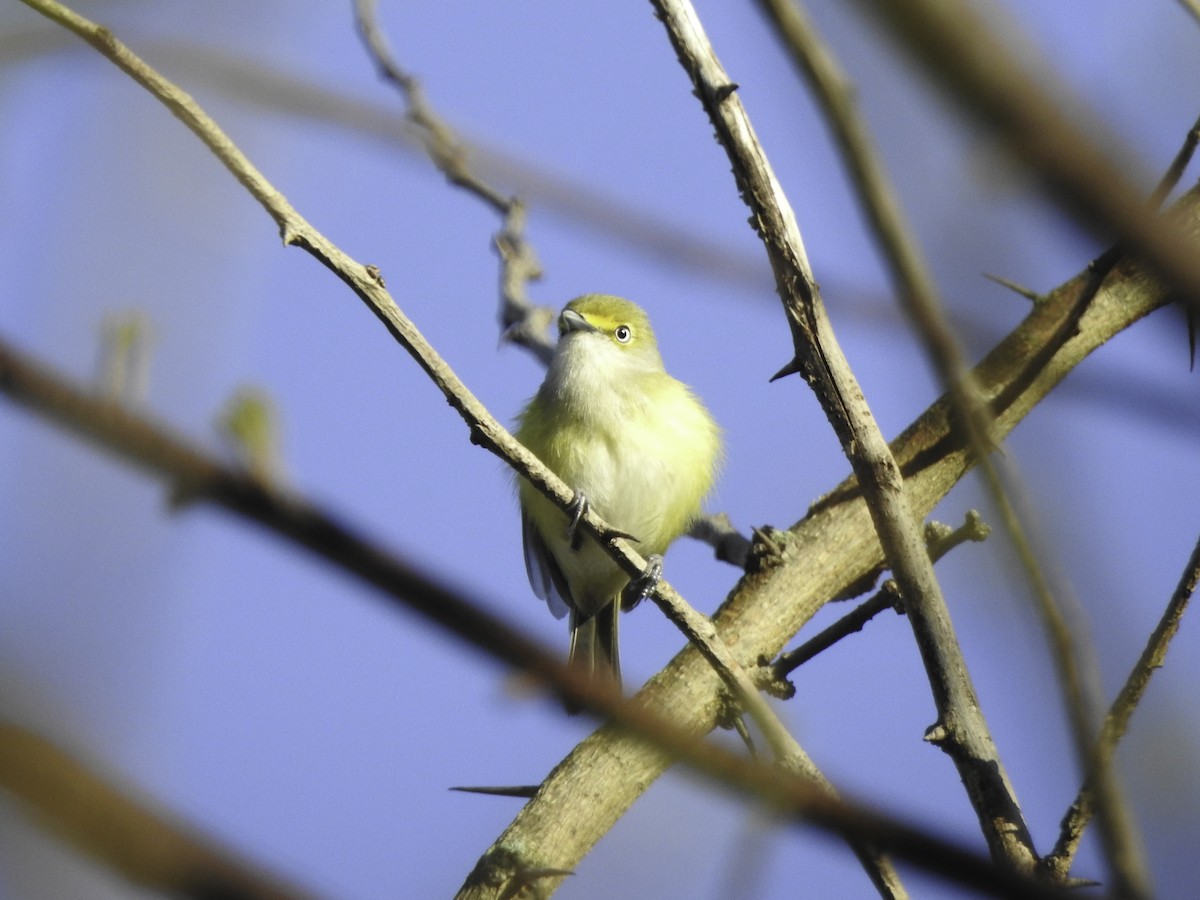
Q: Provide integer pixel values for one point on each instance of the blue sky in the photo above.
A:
(276, 703)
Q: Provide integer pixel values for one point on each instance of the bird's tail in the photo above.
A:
(594, 644)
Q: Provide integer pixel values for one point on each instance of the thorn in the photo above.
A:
(521, 790)
(792, 368)
(725, 91)
(1029, 294)
(739, 725)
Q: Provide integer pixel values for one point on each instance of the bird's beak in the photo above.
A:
(572, 321)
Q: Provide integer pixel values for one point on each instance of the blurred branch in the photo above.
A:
(962, 730)
(254, 83)
(1058, 862)
(145, 846)
(1013, 96)
(1192, 6)
(918, 294)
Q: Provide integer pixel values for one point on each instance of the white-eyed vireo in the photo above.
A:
(629, 438)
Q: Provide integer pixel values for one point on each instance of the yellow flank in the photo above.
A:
(617, 428)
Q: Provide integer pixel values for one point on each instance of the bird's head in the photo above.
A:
(609, 331)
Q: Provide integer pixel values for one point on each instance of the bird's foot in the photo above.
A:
(578, 509)
(643, 586)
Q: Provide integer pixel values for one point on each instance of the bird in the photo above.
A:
(636, 445)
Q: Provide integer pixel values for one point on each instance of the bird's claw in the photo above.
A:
(643, 586)
(578, 509)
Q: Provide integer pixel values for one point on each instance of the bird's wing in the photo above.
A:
(545, 576)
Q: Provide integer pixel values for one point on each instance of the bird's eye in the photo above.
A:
(623, 333)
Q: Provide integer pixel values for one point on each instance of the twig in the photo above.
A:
(998, 88)
(519, 266)
(365, 281)
(941, 542)
(156, 449)
(522, 322)
(818, 356)
(917, 291)
(729, 545)
(1058, 862)
(789, 579)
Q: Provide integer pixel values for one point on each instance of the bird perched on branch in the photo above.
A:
(636, 445)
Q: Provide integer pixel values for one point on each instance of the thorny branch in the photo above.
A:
(961, 730)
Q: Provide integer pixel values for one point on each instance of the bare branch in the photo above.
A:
(521, 321)
(368, 284)
(918, 293)
(820, 358)
(791, 577)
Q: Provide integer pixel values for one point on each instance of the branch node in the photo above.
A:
(289, 233)
(376, 276)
